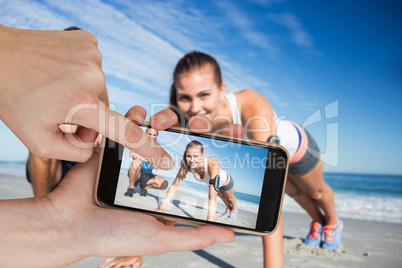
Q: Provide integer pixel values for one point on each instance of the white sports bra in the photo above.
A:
(223, 175)
(287, 133)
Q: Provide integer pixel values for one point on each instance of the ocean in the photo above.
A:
(358, 196)
(363, 196)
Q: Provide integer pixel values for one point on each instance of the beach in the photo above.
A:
(365, 243)
(183, 204)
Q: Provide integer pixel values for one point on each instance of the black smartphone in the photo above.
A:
(236, 183)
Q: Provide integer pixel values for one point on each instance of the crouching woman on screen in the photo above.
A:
(207, 170)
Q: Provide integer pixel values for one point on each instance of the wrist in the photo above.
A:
(163, 206)
(32, 234)
(274, 139)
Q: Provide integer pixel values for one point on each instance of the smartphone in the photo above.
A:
(235, 183)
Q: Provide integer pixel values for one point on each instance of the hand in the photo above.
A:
(48, 78)
(71, 227)
(88, 230)
(159, 210)
(133, 262)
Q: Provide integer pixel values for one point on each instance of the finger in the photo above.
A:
(107, 263)
(200, 124)
(86, 135)
(82, 144)
(163, 119)
(137, 114)
(63, 146)
(138, 262)
(180, 238)
(122, 130)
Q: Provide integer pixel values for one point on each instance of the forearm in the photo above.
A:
(211, 204)
(273, 247)
(169, 196)
(31, 235)
(137, 156)
(5, 55)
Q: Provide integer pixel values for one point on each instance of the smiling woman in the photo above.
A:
(206, 170)
(193, 94)
(198, 93)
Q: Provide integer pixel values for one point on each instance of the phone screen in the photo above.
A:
(186, 191)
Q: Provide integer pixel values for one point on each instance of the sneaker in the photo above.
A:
(143, 192)
(232, 214)
(136, 183)
(314, 236)
(332, 236)
(130, 192)
(226, 214)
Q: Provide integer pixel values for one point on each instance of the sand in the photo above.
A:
(364, 244)
(182, 204)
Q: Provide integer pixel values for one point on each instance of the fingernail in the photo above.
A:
(198, 124)
(137, 118)
(162, 119)
(224, 240)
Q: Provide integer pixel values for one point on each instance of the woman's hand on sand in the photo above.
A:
(53, 77)
(159, 210)
(133, 262)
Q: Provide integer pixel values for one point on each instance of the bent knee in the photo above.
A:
(231, 198)
(293, 192)
(135, 164)
(316, 195)
(164, 185)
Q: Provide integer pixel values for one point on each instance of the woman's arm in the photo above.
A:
(213, 171)
(257, 115)
(212, 203)
(170, 194)
(260, 124)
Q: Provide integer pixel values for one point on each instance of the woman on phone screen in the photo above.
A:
(206, 170)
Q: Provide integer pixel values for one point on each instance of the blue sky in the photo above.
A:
(334, 67)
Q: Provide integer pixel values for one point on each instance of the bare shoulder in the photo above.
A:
(247, 93)
(212, 163)
(251, 102)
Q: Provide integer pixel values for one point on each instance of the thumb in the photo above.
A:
(183, 238)
(65, 146)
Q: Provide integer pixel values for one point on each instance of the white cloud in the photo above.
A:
(291, 22)
(120, 97)
(245, 25)
(174, 21)
(142, 41)
(30, 15)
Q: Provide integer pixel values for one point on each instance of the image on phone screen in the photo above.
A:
(212, 180)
